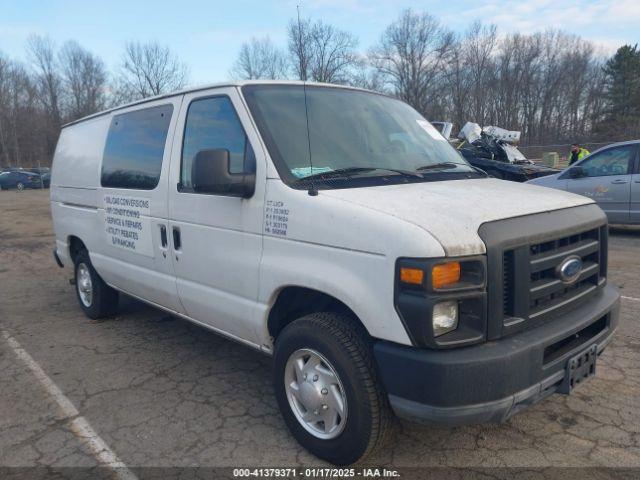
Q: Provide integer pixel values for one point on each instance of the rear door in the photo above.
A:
(608, 180)
(133, 203)
(217, 239)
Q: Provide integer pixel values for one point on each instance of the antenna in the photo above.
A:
(313, 191)
(303, 70)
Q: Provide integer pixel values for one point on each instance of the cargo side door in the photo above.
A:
(607, 180)
(133, 203)
(217, 239)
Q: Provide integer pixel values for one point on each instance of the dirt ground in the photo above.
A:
(160, 392)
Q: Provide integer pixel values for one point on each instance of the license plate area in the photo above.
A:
(579, 369)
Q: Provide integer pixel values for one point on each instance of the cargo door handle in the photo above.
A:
(177, 241)
(163, 236)
(618, 182)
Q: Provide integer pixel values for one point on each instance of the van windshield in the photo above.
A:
(353, 136)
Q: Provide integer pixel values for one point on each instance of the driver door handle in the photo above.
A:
(618, 182)
(177, 240)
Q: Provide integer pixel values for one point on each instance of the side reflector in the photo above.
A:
(445, 274)
(413, 276)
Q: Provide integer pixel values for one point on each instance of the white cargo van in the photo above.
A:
(338, 231)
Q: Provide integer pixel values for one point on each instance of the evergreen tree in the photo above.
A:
(622, 92)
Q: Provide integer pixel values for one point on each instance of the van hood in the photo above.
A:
(453, 211)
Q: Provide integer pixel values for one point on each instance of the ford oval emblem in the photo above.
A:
(569, 270)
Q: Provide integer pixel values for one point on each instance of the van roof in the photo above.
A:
(235, 83)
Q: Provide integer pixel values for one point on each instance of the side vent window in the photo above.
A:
(135, 147)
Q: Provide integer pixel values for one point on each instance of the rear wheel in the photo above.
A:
(96, 298)
(327, 389)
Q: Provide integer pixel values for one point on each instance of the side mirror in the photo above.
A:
(577, 172)
(210, 174)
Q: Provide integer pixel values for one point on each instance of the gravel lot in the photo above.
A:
(160, 392)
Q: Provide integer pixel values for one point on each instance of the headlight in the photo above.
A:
(442, 302)
(445, 317)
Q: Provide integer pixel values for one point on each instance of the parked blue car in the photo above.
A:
(19, 180)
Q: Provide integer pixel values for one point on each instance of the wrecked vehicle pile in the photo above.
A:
(493, 150)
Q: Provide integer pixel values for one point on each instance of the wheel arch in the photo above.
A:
(76, 245)
(294, 301)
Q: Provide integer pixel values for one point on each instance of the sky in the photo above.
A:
(207, 35)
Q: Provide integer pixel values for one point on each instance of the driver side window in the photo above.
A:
(212, 123)
(613, 161)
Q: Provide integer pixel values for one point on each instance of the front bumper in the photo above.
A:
(494, 380)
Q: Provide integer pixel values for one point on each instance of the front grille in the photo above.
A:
(508, 272)
(532, 291)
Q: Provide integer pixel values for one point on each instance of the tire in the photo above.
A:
(96, 298)
(20, 186)
(345, 346)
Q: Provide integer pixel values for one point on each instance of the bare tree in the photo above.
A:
(364, 76)
(478, 50)
(544, 84)
(322, 52)
(149, 69)
(260, 59)
(300, 47)
(5, 114)
(85, 79)
(41, 51)
(333, 53)
(411, 56)
(24, 122)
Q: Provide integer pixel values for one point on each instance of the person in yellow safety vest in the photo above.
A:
(577, 153)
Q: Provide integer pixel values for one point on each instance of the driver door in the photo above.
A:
(217, 239)
(607, 180)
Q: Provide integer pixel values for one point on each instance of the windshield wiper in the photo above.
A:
(352, 171)
(438, 166)
(480, 171)
(406, 173)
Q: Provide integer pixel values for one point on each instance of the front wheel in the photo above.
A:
(20, 186)
(327, 390)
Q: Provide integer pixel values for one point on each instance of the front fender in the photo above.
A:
(362, 281)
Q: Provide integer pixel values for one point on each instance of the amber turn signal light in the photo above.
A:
(445, 274)
(413, 276)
